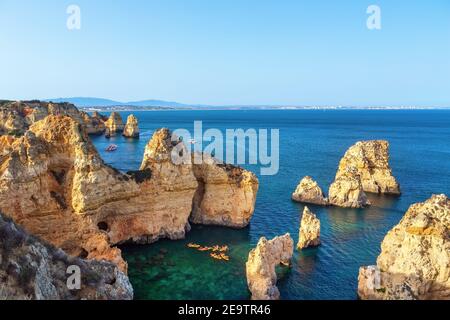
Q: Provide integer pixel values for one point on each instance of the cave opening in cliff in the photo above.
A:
(59, 175)
(198, 197)
(140, 176)
(83, 254)
(103, 226)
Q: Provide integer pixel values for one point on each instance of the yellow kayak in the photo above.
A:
(216, 256)
(224, 257)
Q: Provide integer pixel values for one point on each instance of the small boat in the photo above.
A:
(193, 245)
(111, 148)
(223, 249)
(192, 141)
(215, 248)
(204, 249)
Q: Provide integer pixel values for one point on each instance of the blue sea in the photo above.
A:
(311, 143)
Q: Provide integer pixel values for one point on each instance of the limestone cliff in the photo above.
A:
(17, 116)
(347, 191)
(261, 263)
(94, 124)
(364, 168)
(54, 184)
(370, 160)
(114, 124)
(131, 129)
(309, 234)
(415, 256)
(309, 191)
(226, 194)
(32, 269)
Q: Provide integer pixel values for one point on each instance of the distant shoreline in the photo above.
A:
(120, 109)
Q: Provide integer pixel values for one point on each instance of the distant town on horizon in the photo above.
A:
(101, 104)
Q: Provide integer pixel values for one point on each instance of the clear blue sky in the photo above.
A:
(228, 51)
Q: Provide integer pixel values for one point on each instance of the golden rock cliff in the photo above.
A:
(114, 124)
(347, 191)
(309, 234)
(261, 263)
(309, 191)
(17, 116)
(364, 168)
(226, 194)
(131, 129)
(54, 184)
(415, 256)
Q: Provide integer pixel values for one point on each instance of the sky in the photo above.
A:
(228, 52)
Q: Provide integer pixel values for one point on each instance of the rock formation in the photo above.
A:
(309, 235)
(55, 185)
(364, 168)
(308, 191)
(17, 116)
(415, 256)
(31, 269)
(261, 275)
(94, 124)
(226, 189)
(131, 129)
(99, 116)
(347, 191)
(114, 124)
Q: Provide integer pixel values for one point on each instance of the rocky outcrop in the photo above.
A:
(32, 269)
(114, 124)
(415, 256)
(131, 129)
(17, 116)
(309, 235)
(99, 116)
(54, 184)
(261, 275)
(347, 191)
(368, 162)
(309, 191)
(94, 124)
(364, 168)
(226, 194)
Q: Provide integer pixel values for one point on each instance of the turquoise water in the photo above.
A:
(311, 143)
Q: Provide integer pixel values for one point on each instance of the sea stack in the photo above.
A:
(309, 235)
(94, 124)
(347, 191)
(131, 129)
(114, 124)
(364, 168)
(309, 191)
(415, 257)
(260, 267)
